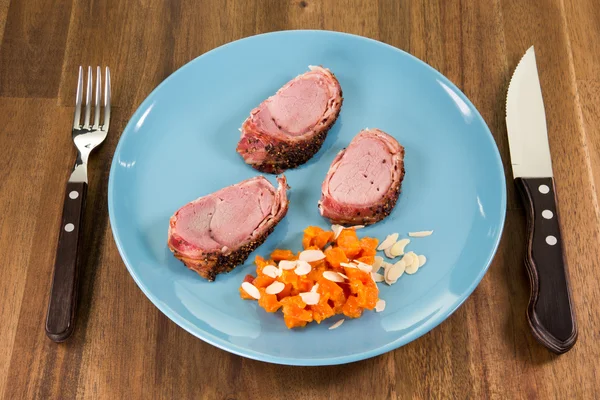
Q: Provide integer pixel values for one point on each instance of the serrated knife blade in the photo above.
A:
(526, 121)
(550, 311)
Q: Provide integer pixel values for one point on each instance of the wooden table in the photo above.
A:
(124, 347)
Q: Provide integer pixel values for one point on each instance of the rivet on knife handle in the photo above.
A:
(550, 312)
(63, 295)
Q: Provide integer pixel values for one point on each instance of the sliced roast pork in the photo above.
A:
(363, 182)
(288, 128)
(217, 232)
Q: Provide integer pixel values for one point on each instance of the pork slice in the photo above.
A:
(217, 232)
(364, 180)
(288, 128)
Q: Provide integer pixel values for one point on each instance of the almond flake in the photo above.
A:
(388, 242)
(270, 270)
(414, 265)
(311, 255)
(343, 276)
(388, 253)
(408, 258)
(411, 269)
(337, 229)
(364, 267)
(386, 266)
(285, 264)
(348, 265)
(251, 290)
(303, 268)
(420, 233)
(314, 288)
(337, 324)
(333, 276)
(310, 298)
(380, 305)
(275, 287)
(378, 263)
(398, 248)
(377, 277)
(394, 272)
(356, 227)
(327, 249)
(422, 260)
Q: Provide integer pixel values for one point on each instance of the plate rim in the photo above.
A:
(249, 353)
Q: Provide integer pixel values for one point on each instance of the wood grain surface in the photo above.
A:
(123, 347)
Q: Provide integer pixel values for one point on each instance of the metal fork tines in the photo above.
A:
(89, 134)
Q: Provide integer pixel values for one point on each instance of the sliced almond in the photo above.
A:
(333, 276)
(411, 269)
(364, 267)
(275, 287)
(388, 242)
(408, 258)
(337, 229)
(388, 253)
(270, 270)
(310, 298)
(380, 305)
(343, 276)
(251, 290)
(326, 249)
(285, 264)
(337, 324)
(414, 266)
(355, 227)
(314, 288)
(377, 264)
(377, 277)
(311, 255)
(348, 265)
(420, 233)
(303, 268)
(398, 248)
(422, 260)
(394, 272)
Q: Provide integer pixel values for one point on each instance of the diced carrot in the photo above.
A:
(367, 259)
(310, 233)
(287, 291)
(368, 246)
(352, 309)
(245, 295)
(280, 254)
(306, 241)
(260, 263)
(262, 281)
(322, 239)
(349, 243)
(269, 302)
(335, 256)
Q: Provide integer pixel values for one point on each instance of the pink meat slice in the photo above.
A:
(364, 180)
(288, 128)
(216, 232)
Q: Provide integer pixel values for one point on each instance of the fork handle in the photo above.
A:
(60, 319)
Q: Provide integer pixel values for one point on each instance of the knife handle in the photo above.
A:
(60, 319)
(550, 311)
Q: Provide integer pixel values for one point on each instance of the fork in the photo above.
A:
(60, 319)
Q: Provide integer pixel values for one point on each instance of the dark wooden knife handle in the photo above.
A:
(60, 319)
(550, 312)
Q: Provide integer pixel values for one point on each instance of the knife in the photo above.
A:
(550, 311)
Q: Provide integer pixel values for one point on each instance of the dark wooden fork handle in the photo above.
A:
(550, 312)
(60, 319)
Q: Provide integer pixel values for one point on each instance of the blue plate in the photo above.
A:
(180, 144)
